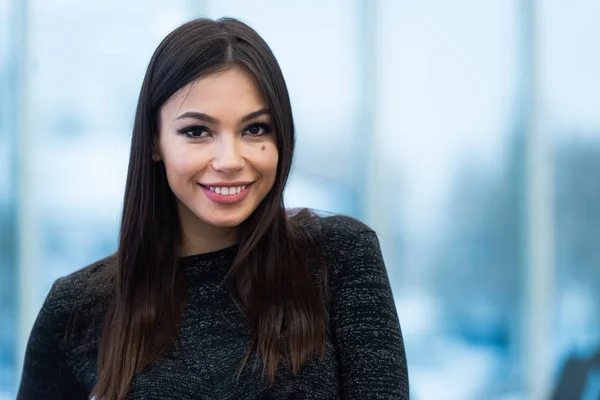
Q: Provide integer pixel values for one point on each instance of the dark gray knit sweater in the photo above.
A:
(365, 356)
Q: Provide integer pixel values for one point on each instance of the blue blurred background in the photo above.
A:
(466, 132)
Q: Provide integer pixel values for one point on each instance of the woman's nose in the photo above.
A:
(227, 157)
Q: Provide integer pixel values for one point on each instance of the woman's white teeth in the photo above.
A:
(227, 191)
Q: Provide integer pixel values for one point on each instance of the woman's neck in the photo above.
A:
(199, 237)
(194, 242)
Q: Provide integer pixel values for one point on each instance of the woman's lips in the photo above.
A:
(216, 193)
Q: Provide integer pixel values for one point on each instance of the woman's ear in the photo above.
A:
(155, 153)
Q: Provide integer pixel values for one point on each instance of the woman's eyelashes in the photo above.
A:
(194, 131)
(256, 129)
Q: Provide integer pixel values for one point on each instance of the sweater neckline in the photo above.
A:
(210, 256)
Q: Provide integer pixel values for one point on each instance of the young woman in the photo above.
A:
(216, 291)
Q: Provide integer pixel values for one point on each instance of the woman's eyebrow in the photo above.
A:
(199, 116)
(255, 114)
(211, 120)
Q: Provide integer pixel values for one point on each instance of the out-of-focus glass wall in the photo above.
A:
(417, 117)
(9, 66)
(569, 65)
(448, 131)
(569, 70)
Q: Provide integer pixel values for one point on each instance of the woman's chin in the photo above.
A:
(227, 221)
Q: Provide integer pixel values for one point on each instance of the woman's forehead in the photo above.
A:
(222, 95)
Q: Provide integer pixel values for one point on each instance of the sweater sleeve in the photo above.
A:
(46, 373)
(365, 325)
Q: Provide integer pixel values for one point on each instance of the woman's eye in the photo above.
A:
(194, 132)
(258, 130)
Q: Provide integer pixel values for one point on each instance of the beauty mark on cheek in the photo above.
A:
(263, 147)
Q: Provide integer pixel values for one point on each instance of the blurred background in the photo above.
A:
(466, 133)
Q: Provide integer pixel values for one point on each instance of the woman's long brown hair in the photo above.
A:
(282, 296)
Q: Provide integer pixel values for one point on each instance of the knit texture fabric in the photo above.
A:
(365, 357)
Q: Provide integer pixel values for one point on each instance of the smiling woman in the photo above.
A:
(220, 154)
(213, 275)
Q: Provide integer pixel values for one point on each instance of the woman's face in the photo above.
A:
(217, 142)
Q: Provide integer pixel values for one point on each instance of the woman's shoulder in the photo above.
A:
(93, 278)
(330, 225)
(337, 237)
(342, 226)
(63, 338)
(81, 291)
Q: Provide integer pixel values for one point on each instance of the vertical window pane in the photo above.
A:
(8, 271)
(450, 140)
(569, 65)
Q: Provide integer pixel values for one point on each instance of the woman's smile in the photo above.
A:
(226, 193)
